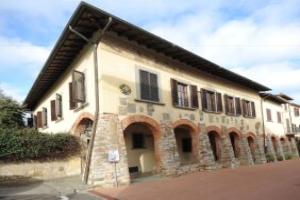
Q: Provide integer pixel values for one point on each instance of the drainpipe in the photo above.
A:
(95, 44)
(263, 120)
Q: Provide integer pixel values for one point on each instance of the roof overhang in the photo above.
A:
(273, 98)
(286, 97)
(87, 19)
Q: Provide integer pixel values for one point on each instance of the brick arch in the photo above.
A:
(153, 125)
(215, 129)
(84, 115)
(234, 130)
(184, 122)
(194, 133)
(251, 134)
(155, 130)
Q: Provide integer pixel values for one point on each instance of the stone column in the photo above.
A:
(245, 152)
(109, 136)
(294, 148)
(227, 155)
(170, 159)
(260, 157)
(280, 152)
(270, 149)
(206, 155)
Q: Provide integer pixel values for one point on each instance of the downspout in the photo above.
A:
(95, 44)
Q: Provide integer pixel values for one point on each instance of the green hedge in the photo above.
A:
(29, 144)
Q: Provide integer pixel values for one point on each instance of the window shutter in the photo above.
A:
(58, 105)
(174, 92)
(244, 108)
(144, 85)
(238, 110)
(253, 109)
(154, 87)
(203, 99)
(219, 102)
(226, 103)
(72, 103)
(44, 117)
(78, 85)
(53, 110)
(39, 119)
(194, 97)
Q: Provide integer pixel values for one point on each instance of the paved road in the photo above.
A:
(65, 188)
(275, 181)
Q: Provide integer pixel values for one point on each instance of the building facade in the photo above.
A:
(144, 106)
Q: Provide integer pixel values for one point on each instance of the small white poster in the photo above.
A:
(113, 156)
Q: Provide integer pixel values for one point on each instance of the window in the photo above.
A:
(138, 141)
(269, 115)
(39, 119)
(232, 105)
(211, 101)
(56, 108)
(78, 86)
(148, 86)
(184, 95)
(296, 112)
(279, 120)
(44, 117)
(186, 145)
(248, 108)
(288, 125)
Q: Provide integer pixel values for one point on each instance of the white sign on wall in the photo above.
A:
(113, 156)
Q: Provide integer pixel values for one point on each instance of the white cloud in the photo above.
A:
(12, 91)
(16, 53)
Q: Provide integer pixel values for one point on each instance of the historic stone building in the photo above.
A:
(144, 106)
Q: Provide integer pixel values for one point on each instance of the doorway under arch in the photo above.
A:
(235, 143)
(215, 144)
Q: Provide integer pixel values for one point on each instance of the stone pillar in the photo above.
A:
(286, 148)
(270, 149)
(260, 157)
(206, 155)
(109, 136)
(245, 152)
(170, 159)
(294, 148)
(227, 155)
(279, 152)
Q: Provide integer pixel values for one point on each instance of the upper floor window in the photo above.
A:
(56, 108)
(42, 118)
(184, 95)
(269, 114)
(211, 101)
(77, 93)
(148, 86)
(296, 112)
(248, 108)
(279, 119)
(232, 105)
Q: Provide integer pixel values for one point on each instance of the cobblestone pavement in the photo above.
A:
(274, 181)
(58, 189)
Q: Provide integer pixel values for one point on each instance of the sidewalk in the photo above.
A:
(275, 181)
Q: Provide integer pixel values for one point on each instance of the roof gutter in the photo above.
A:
(95, 44)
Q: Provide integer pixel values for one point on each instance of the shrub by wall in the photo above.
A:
(29, 144)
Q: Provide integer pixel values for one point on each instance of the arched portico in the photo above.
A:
(187, 140)
(141, 135)
(214, 136)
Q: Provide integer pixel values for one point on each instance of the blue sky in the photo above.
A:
(258, 39)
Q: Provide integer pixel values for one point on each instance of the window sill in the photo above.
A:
(212, 112)
(249, 117)
(82, 105)
(148, 101)
(59, 119)
(185, 108)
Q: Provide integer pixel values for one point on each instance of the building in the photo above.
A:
(143, 105)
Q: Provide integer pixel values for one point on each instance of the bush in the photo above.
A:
(279, 158)
(288, 156)
(29, 144)
(270, 158)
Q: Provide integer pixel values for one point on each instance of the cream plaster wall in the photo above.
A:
(83, 63)
(119, 64)
(274, 127)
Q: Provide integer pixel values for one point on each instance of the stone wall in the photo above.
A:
(42, 170)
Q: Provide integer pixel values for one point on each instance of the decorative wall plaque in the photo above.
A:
(125, 89)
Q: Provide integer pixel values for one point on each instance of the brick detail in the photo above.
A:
(85, 115)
